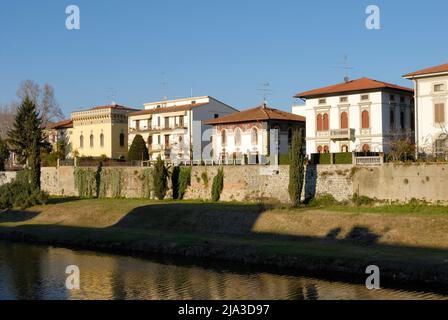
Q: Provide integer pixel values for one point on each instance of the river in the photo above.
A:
(38, 272)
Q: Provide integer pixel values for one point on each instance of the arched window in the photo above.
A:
(102, 140)
(81, 141)
(326, 149)
(326, 122)
(366, 148)
(238, 137)
(344, 120)
(122, 139)
(365, 119)
(223, 137)
(319, 122)
(91, 141)
(319, 149)
(344, 148)
(392, 118)
(402, 119)
(254, 136)
(181, 139)
(289, 136)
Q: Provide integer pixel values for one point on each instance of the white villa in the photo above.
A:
(356, 116)
(250, 133)
(431, 97)
(173, 129)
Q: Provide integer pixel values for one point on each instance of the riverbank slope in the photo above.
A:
(406, 246)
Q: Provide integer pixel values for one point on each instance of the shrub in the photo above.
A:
(49, 159)
(160, 175)
(181, 179)
(218, 184)
(20, 193)
(343, 158)
(138, 149)
(362, 200)
(324, 200)
(204, 177)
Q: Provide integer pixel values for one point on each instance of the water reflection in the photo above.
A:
(30, 272)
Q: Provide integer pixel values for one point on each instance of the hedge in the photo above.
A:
(343, 158)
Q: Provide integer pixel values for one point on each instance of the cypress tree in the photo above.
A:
(160, 175)
(296, 168)
(138, 149)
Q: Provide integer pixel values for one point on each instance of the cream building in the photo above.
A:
(101, 131)
(60, 132)
(431, 98)
(356, 116)
(173, 129)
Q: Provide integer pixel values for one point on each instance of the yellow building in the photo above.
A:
(101, 131)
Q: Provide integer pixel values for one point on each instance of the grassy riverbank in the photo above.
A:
(405, 245)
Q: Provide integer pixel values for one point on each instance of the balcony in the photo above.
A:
(342, 134)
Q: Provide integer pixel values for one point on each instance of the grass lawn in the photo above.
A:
(338, 236)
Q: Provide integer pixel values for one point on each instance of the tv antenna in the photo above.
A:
(265, 91)
(112, 95)
(346, 67)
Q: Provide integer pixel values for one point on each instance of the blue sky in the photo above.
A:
(225, 49)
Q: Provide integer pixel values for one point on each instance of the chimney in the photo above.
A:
(346, 79)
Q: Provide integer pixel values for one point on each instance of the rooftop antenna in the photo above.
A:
(112, 95)
(164, 87)
(265, 91)
(346, 68)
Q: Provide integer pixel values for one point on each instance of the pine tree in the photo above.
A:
(27, 127)
(138, 149)
(34, 164)
(296, 168)
(4, 154)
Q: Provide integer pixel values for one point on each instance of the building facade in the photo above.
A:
(60, 132)
(250, 133)
(174, 129)
(431, 98)
(362, 115)
(101, 131)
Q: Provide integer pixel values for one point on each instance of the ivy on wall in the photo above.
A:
(181, 179)
(146, 180)
(86, 182)
(110, 183)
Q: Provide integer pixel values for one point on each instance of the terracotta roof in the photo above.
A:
(67, 123)
(113, 106)
(436, 69)
(168, 109)
(350, 86)
(260, 113)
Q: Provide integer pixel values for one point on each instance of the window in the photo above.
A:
(412, 120)
(181, 121)
(223, 137)
(322, 101)
(392, 97)
(366, 148)
(102, 140)
(254, 136)
(149, 140)
(122, 139)
(137, 124)
(326, 122)
(193, 102)
(216, 116)
(402, 99)
(365, 119)
(158, 122)
(326, 149)
(238, 137)
(439, 113)
(343, 99)
(167, 122)
(344, 148)
(319, 122)
(364, 97)
(392, 118)
(91, 141)
(159, 142)
(344, 120)
(319, 149)
(439, 87)
(81, 141)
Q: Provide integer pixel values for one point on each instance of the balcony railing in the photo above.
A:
(342, 134)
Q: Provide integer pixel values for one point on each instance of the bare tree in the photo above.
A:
(44, 99)
(401, 147)
(7, 114)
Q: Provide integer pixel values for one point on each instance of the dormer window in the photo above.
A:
(365, 97)
(343, 99)
(193, 102)
(322, 101)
